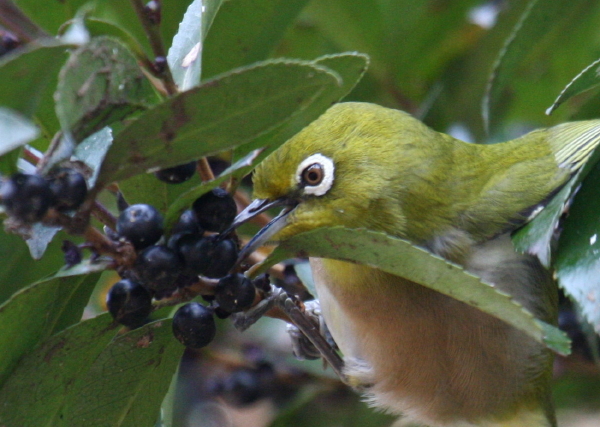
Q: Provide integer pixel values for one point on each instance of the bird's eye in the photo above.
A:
(312, 175)
(315, 175)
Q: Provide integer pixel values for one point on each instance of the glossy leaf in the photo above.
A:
(586, 80)
(185, 54)
(92, 151)
(21, 330)
(15, 129)
(399, 257)
(100, 83)
(536, 236)
(221, 114)
(39, 239)
(578, 255)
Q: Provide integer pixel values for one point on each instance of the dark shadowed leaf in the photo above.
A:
(399, 257)
(578, 253)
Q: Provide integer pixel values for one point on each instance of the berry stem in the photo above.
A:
(103, 215)
(152, 31)
(204, 170)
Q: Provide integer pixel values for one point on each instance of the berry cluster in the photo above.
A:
(165, 264)
(28, 197)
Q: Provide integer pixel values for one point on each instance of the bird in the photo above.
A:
(412, 351)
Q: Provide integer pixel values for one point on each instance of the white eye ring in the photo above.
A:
(325, 166)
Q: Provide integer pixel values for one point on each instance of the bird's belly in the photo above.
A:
(419, 352)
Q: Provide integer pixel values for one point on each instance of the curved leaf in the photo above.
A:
(399, 257)
(185, 54)
(259, 26)
(221, 114)
(15, 129)
(20, 330)
(586, 80)
(578, 254)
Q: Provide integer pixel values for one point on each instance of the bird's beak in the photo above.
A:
(273, 227)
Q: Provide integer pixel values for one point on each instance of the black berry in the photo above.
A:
(141, 224)
(215, 210)
(177, 174)
(68, 187)
(129, 303)
(158, 268)
(187, 224)
(26, 197)
(208, 256)
(235, 293)
(194, 325)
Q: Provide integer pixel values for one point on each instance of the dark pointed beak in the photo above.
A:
(273, 227)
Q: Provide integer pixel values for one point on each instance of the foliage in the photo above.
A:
(104, 86)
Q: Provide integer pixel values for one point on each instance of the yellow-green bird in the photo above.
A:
(416, 352)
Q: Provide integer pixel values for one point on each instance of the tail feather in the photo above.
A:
(573, 143)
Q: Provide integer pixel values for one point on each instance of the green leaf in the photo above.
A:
(210, 9)
(100, 83)
(92, 151)
(578, 254)
(39, 239)
(125, 385)
(185, 55)
(540, 21)
(351, 66)
(19, 269)
(33, 77)
(99, 27)
(146, 188)
(16, 130)
(21, 330)
(536, 236)
(246, 31)
(219, 115)
(586, 80)
(45, 378)
(399, 257)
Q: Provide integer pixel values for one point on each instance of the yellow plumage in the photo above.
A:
(412, 350)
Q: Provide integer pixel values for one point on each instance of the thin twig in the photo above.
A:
(152, 31)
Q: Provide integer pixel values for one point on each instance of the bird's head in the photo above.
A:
(340, 170)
